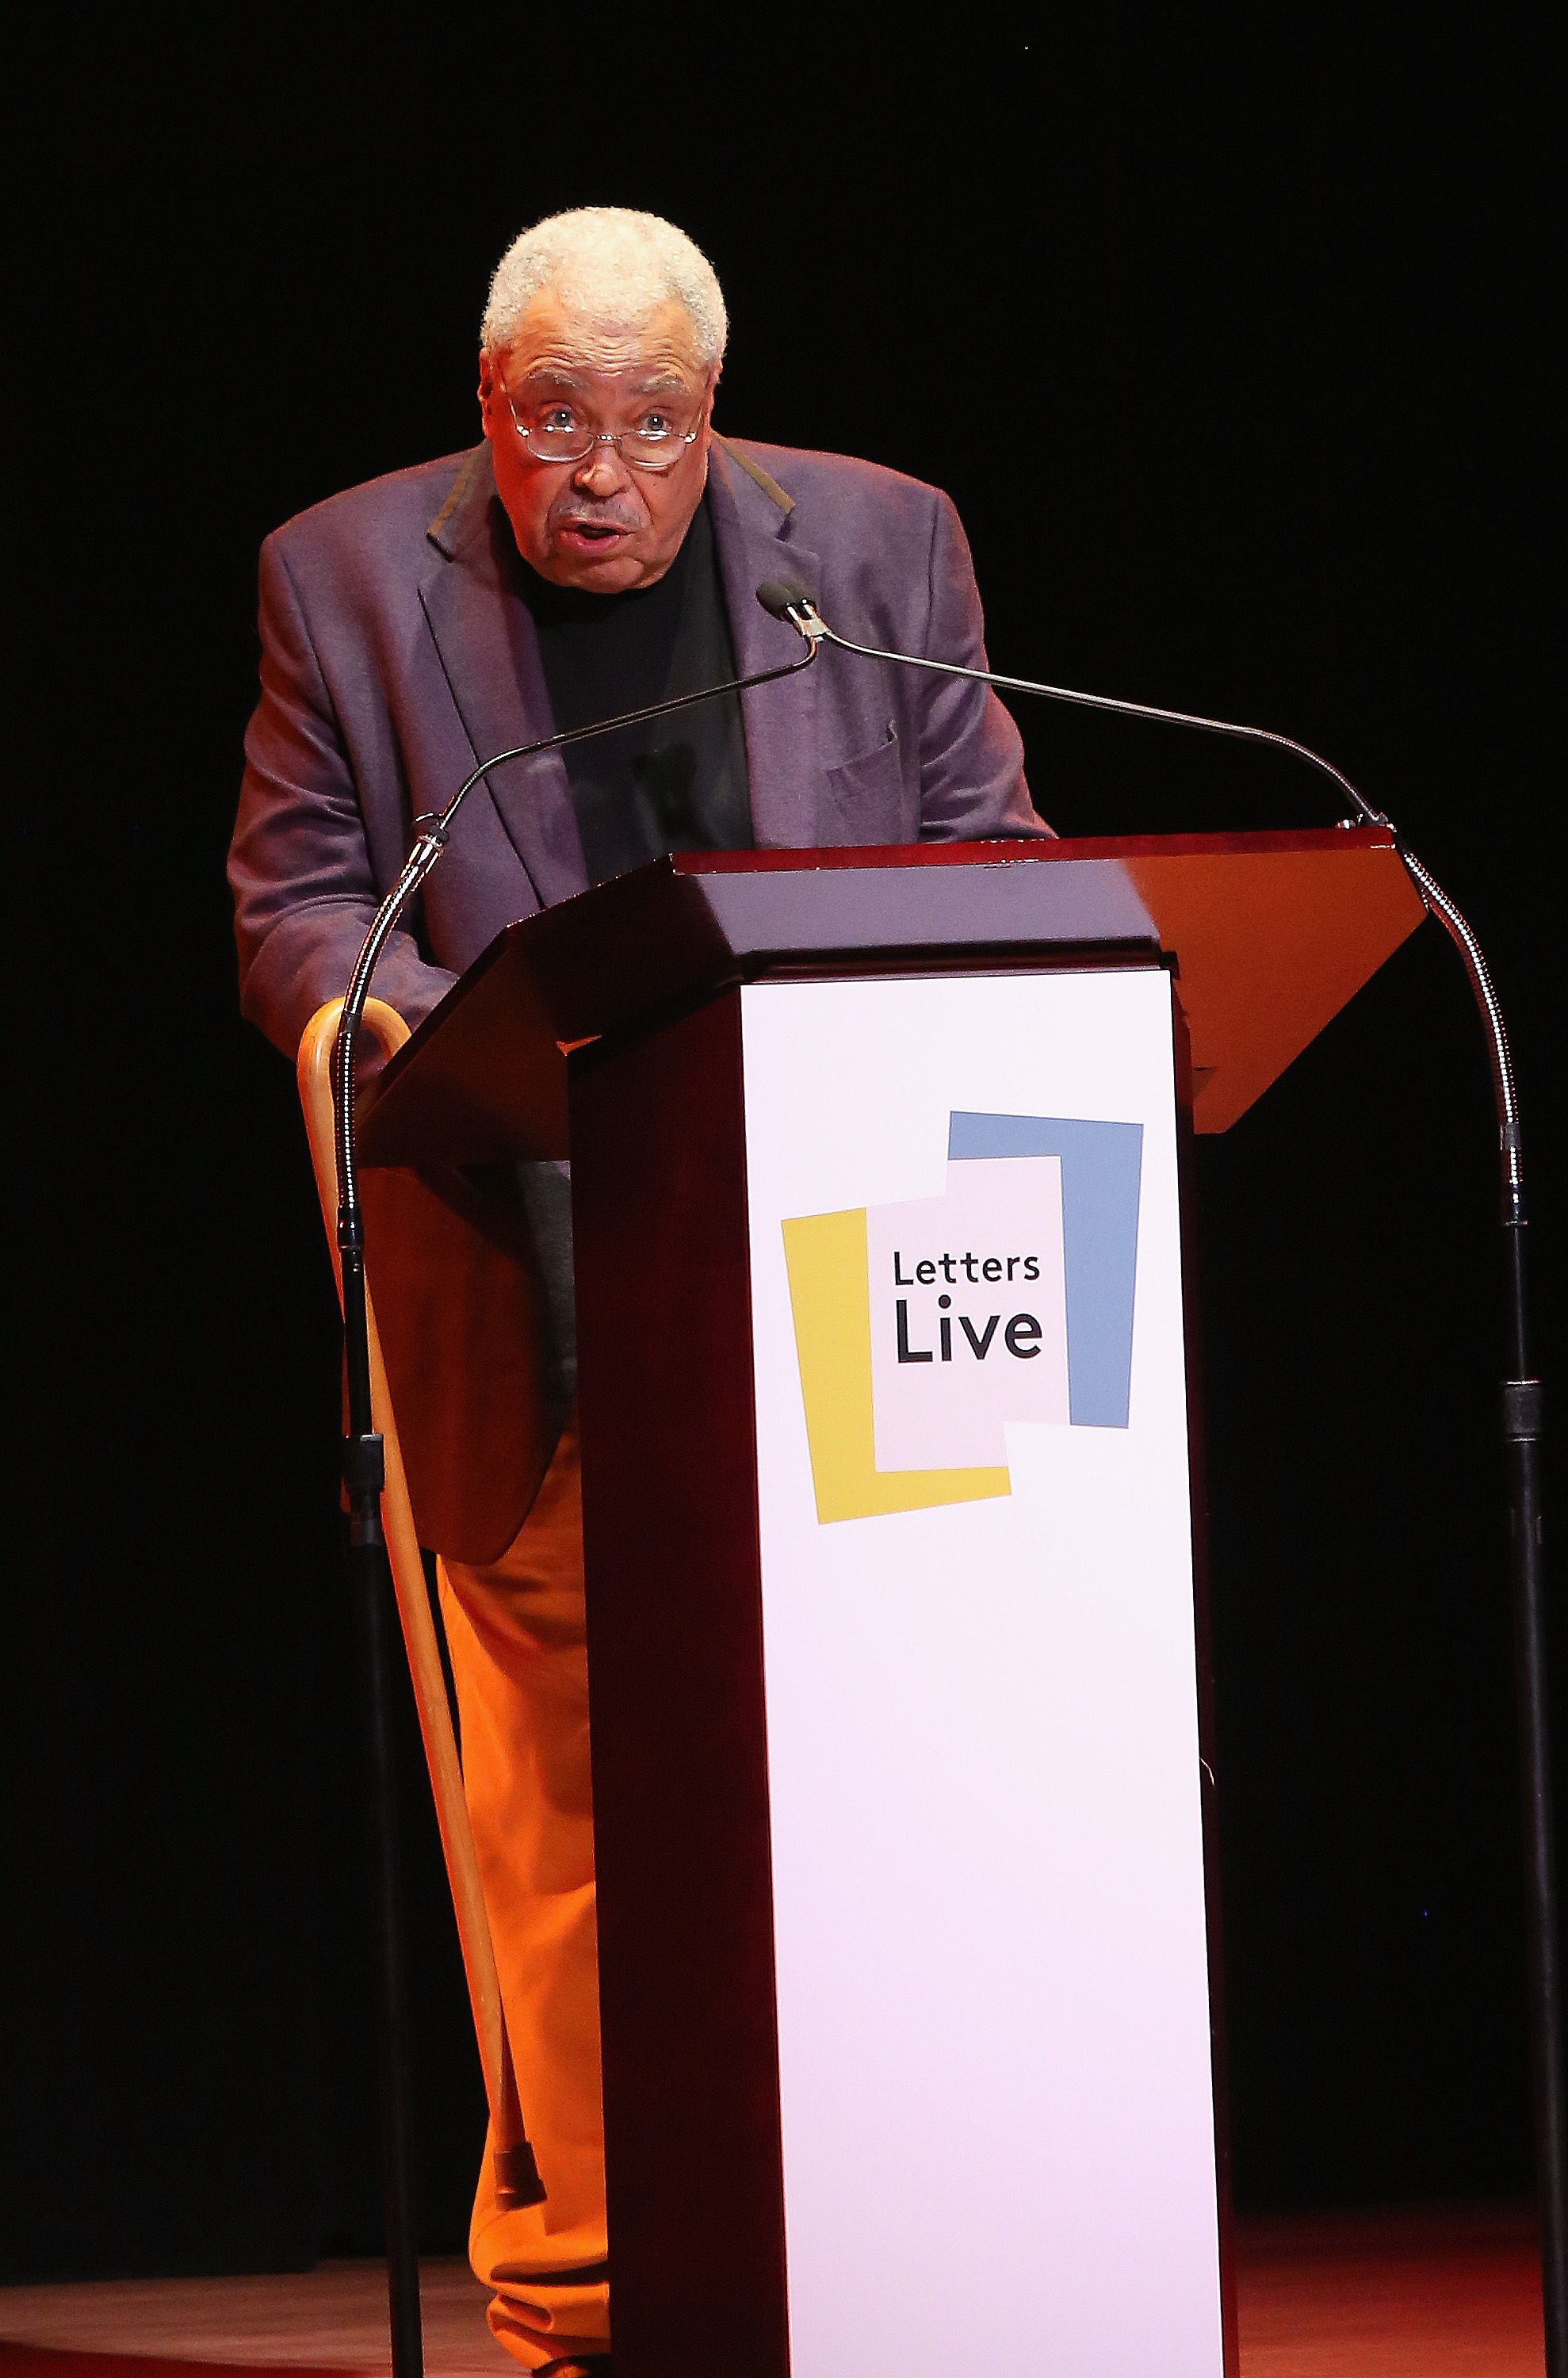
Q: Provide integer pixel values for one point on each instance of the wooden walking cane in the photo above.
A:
(516, 2177)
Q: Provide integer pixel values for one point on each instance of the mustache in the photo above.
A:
(573, 509)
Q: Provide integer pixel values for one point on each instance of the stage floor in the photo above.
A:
(1382, 2295)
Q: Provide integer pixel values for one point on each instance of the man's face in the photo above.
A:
(598, 524)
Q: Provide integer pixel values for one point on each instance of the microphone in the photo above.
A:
(786, 598)
(364, 1465)
(428, 849)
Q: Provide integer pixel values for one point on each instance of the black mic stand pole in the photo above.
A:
(1521, 1417)
(364, 1474)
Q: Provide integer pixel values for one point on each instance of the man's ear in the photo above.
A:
(709, 400)
(488, 396)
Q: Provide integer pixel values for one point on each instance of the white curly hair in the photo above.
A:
(611, 262)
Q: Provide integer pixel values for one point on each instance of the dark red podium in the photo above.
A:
(899, 1688)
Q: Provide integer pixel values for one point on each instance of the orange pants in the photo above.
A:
(518, 1653)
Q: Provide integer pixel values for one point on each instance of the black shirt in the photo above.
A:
(676, 783)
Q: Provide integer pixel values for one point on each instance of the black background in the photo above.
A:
(1233, 357)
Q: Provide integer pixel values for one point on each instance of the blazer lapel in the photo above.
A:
(490, 656)
(781, 720)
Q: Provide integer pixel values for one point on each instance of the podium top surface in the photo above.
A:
(1270, 934)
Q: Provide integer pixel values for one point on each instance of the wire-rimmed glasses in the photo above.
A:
(563, 435)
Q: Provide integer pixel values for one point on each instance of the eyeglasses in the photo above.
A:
(563, 435)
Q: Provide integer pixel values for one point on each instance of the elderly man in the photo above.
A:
(599, 550)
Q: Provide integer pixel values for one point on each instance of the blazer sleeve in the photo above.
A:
(305, 890)
(971, 780)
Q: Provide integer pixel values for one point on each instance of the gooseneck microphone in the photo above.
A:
(786, 598)
(427, 850)
(423, 856)
(1521, 1401)
(364, 1460)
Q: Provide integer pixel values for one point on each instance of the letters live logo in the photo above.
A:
(923, 1327)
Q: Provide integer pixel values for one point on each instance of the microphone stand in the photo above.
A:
(364, 1475)
(1521, 1418)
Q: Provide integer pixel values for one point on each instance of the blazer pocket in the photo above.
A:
(863, 800)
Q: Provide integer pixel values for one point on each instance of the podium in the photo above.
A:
(904, 1796)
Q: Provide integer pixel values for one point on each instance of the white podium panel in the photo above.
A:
(997, 2099)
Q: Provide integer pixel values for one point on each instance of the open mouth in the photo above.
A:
(590, 534)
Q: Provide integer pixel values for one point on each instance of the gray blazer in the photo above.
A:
(396, 654)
